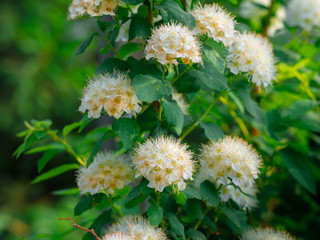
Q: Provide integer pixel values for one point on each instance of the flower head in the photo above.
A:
(163, 161)
(304, 14)
(266, 233)
(118, 236)
(171, 42)
(137, 229)
(107, 171)
(93, 8)
(214, 21)
(111, 92)
(230, 158)
(252, 54)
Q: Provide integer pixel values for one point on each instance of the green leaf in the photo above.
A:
(102, 137)
(212, 131)
(180, 197)
(111, 64)
(210, 77)
(193, 208)
(235, 219)
(209, 193)
(173, 115)
(215, 58)
(207, 222)
(251, 106)
(46, 157)
(139, 27)
(44, 148)
(298, 168)
(191, 192)
(171, 10)
(299, 108)
(151, 88)
(142, 67)
(129, 48)
(195, 235)
(132, 2)
(82, 47)
(97, 225)
(176, 225)
(29, 141)
(69, 128)
(84, 204)
(127, 129)
(135, 201)
(155, 213)
(55, 172)
(67, 191)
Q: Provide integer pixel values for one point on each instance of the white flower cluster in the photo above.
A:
(181, 101)
(113, 92)
(231, 162)
(266, 234)
(252, 54)
(93, 8)
(214, 21)
(135, 229)
(304, 14)
(107, 172)
(163, 161)
(171, 42)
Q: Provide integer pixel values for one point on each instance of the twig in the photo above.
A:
(83, 228)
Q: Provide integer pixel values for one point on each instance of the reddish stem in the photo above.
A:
(83, 228)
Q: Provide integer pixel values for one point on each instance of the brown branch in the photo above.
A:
(83, 228)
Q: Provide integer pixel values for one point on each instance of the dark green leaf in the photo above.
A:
(235, 219)
(82, 47)
(173, 114)
(135, 201)
(97, 225)
(27, 143)
(251, 106)
(129, 48)
(155, 213)
(127, 129)
(142, 67)
(132, 2)
(171, 10)
(191, 192)
(210, 77)
(151, 88)
(96, 148)
(176, 225)
(212, 131)
(195, 235)
(298, 168)
(139, 27)
(193, 208)
(158, 131)
(209, 193)
(214, 57)
(84, 204)
(55, 172)
(207, 222)
(111, 64)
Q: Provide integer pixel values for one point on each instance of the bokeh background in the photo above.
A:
(37, 44)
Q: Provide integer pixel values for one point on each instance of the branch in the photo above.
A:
(83, 228)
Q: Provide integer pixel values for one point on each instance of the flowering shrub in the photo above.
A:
(204, 120)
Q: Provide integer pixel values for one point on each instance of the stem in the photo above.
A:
(179, 75)
(200, 220)
(115, 51)
(113, 209)
(130, 10)
(268, 19)
(151, 12)
(158, 198)
(83, 228)
(68, 148)
(160, 111)
(194, 125)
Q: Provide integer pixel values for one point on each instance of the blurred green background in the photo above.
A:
(36, 45)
